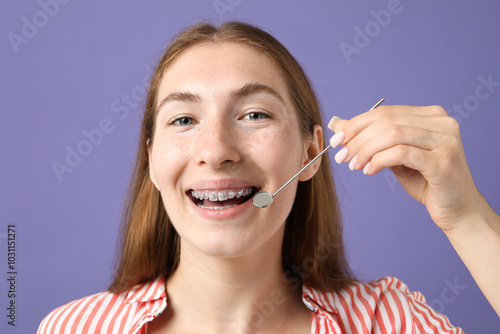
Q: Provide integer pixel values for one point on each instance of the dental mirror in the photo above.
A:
(263, 199)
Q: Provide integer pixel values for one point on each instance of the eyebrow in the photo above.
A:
(246, 90)
(178, 96)
(255, 88)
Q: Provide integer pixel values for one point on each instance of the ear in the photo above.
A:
(314, 148)
(152, 175)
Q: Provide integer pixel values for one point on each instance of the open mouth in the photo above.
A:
(221, 199)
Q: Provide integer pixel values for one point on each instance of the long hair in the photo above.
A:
(313, 244)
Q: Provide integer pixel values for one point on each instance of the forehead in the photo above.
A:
(216, 68)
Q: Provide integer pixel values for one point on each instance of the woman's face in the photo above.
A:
(225, 129)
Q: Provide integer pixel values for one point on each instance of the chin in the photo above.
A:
(251, 231)
(223, 247)
(234, 242)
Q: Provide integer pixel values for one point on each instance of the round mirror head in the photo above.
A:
(262, 199)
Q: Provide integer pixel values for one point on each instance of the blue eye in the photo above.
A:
(182, 121)
(255, 116)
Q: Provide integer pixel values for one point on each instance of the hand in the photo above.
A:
(422, 146)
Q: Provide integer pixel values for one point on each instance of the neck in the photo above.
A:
(239, 294)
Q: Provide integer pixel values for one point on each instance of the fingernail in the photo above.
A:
(367, 168)
(333, 121)
(341, 155)
(337, 139)
(353, 162)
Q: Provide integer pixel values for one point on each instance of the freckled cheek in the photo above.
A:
(170, 159)
(279, 153)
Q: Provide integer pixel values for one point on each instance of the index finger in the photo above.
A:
(358, 123)
(336, 119)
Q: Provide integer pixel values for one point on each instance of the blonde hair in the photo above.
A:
(313, 243)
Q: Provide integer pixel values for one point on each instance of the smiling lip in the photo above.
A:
(221, 184)
(220, 215)
(206, 209)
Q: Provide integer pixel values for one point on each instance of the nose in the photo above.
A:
(218, 144)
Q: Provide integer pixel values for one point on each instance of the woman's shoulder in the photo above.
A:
(73, 316)
(107, 312)
(383, 303)
(371, 294)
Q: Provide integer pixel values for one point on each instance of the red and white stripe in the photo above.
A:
(108, 312)
(382, 306)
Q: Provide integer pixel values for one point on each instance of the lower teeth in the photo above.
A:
(216, 207)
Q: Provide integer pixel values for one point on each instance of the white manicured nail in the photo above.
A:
(333, 121)
(337, 139)
(367, 168)
(341, 155)
(353, 162)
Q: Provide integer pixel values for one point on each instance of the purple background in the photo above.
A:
(72, 73)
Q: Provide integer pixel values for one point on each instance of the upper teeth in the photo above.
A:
(220, 195)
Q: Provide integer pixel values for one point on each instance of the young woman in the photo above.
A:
(230, 112)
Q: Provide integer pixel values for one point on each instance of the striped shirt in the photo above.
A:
(382, 306)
